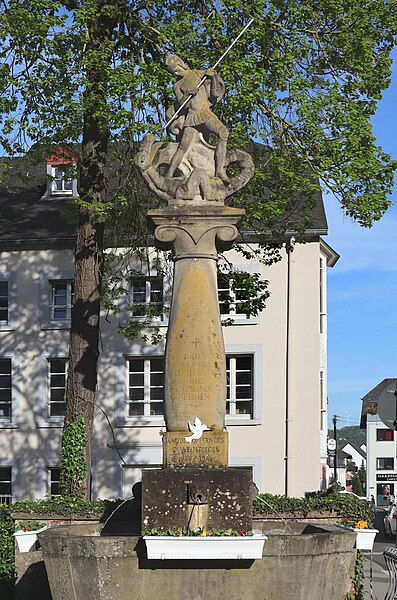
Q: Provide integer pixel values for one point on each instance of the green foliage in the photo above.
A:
(304, 81)
(185, 531)
(248, 292)
(356, 485)
(73, 458)
(29, 525)
(357, 580)
(362, 476)
(49, 507)
(7, 528)
(343, 505)
(63, 506)
(351, 434)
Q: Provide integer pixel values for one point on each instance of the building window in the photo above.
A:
(147, 296)
(62, 182)
(145, 386)
(61, 300)
(5, 485)
(57, 372)
(4, 302)
(383, 492)
(61, 174)
(239, 385)
(54, 474)
(5, 389)
(384, 435)
(385, 464)
(231, 298)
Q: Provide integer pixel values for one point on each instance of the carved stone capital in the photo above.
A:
(193, 233)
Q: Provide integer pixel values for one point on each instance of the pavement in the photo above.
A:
(376, 574)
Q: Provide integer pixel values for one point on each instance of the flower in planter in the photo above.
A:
(184, 531)
(361, 525)
(353, 523)
(29, 525)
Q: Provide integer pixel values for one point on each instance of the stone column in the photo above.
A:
(195, 368)
(197, 487)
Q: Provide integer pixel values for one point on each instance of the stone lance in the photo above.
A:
(205, 77)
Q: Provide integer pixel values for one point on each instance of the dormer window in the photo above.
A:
(61, 174)
(62, 181)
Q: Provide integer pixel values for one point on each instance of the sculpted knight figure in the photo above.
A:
(197, 114)
(192, 169)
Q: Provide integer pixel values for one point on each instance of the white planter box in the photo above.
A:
(365, 538)
(204, 548)
(27, 539)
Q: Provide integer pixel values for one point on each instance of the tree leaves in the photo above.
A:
(304, 79)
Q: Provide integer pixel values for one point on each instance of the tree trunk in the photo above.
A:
(81, 383)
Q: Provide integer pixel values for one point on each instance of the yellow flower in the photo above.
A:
(203, 533)
(361, 525)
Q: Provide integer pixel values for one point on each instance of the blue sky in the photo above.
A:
(362, 291)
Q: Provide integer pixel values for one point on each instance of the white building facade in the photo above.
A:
(381, 445)
(276, 363)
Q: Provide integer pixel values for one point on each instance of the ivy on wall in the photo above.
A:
(73, 459)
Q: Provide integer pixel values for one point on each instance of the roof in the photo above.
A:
(28, 221)
(371, 398)
(359, 450)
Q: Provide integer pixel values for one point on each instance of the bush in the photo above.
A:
(343, 505)
(53, 505)
(7, 528)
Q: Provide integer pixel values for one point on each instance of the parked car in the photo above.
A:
(390, 521)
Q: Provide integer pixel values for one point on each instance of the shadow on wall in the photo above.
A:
(33, 585)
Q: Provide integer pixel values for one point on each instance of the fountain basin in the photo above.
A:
(303, 563)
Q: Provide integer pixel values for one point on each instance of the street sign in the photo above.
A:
(331, 444)
(387, 406)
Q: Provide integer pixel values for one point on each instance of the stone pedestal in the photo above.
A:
(206, 498)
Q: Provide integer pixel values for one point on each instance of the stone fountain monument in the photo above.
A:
(195, 487)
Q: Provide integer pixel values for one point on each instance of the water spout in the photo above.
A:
(286, 525)
(112, 513)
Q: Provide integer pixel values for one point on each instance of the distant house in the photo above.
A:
(358, 454)
(381, 444)
(276, 362)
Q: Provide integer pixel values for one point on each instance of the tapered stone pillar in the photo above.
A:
(195, 368)
(197, 487)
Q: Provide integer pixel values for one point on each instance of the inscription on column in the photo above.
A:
(211, 450)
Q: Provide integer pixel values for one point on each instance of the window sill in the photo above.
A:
(7, 327)
(47, 424)
(56, 325)
(231, 421)
(8, 425)
(141, 422)
(240, 320)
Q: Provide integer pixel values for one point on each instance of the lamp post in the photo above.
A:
(334, 421)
